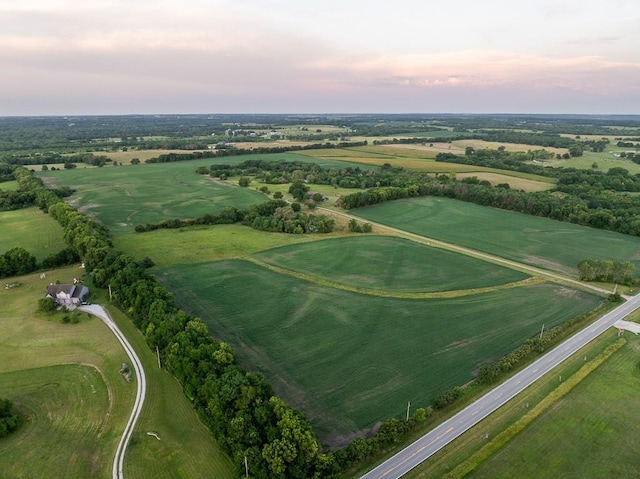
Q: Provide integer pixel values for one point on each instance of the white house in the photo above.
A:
(67, 294)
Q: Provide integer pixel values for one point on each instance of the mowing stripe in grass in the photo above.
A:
(505, 436)
(388, 294)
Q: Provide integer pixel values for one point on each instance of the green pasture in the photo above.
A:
(198, 244)
(122, 197)
(9, 185)
(605, 161)
(32, 230)
(553, 245)
(64, 379)
(350, 360)
(592, 432)
(388, 263)
(68, 431)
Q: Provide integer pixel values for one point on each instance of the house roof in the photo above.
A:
(74, 291)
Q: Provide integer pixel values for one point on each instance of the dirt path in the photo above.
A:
(118, 460)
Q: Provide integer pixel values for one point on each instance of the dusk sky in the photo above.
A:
(63, 57)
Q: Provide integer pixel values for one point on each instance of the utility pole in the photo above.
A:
(408, 406)
(109, 292)
(246, 467)
(158, 354)
(541, 331)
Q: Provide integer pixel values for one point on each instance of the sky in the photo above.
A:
(71, 57)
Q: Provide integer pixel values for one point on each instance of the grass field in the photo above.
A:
(388, 263)
(64, 379)
(554, 245)
(121, 197)
(349, 360)
(9, 185)
(592, 432)
(32, 230)
(198, 244)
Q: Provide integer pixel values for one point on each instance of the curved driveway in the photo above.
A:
(410, 457)
(141, 380)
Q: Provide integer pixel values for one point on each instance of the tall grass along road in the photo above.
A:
(118, 460)
(413, 455)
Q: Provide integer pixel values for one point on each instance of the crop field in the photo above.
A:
(64, 379)
(349, 360)
(553, 245)
(388, 263)
(493, 145)
(513, 181)
(592, 432)
(122, 197)
(413, 159)
(32, 230)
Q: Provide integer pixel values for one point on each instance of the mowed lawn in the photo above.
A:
(592, 432)
(122, 197)
(32, 230)
(553, 245)
(388, 263)
(350, 360)
(64, 379)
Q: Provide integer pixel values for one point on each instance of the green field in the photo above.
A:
(388, 263)
(553, 245)
(9, 185)
(122, 197)
(592, 432)
(350, 360)
(64, 379)
(31, 229)
(198, 244)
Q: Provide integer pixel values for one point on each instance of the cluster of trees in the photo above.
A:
(9, 420)
(585, 182)
(17, 261)
(273, 215)
(356, 227)
(301, 174)
(610, 271)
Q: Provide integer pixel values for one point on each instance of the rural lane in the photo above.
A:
(414, 454)
(141, 380)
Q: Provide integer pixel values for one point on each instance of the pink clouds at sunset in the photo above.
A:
(283, 56)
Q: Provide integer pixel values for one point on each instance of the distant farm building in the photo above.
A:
(67, 294)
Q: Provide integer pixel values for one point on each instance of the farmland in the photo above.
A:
(32, 230)
(121, 197)
(554, 245)
(392, 264)
(321, 347)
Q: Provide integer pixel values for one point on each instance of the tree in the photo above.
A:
(9, 420)
(244, 181)
(135, 161)
(47, 305)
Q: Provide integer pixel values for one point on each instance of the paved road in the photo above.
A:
(432, 442)
(118, 460)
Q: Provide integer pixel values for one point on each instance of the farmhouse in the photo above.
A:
(67, 294)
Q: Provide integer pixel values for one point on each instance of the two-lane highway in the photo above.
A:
(410, 457)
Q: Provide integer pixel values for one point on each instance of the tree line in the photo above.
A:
(274, 215)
